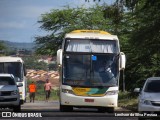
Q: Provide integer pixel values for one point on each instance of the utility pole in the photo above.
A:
(123, 81)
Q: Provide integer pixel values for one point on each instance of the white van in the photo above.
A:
(16, 67)
(9, 92)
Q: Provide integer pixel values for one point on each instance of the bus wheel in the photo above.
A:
(110, 109)
(65, 108)
(102, 109)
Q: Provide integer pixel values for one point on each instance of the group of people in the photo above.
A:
(33, 89)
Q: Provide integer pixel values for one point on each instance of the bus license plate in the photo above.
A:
(89, 100)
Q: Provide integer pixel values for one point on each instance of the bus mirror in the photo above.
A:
(59, 57)
(122, 61)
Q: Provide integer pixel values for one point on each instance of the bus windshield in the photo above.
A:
(91, 46)
(90, 69)
(12, 68)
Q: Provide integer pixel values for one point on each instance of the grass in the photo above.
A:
(128, 100)
(40, 94)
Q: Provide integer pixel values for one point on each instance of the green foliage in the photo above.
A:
(143, 59)
(40, 94)
(33, 63)
(128, 100)
(2, 48)
(137, 28)
(60, 22)
(52, 66)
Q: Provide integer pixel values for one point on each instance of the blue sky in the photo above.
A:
(18, 18)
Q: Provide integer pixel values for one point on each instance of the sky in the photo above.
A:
(18, 18)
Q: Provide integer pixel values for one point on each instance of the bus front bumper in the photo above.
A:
(103, 101)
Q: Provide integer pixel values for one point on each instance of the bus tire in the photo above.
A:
(17, 108)
(102, 109)
(66, 108)
(110, 109)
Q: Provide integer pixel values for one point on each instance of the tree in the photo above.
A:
(146, 37)
(33, 63)
(2, 46)
(60, 22)
(143, 57)
(137, 28)
(52, 66)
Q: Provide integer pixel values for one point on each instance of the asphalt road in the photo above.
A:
(50, 110)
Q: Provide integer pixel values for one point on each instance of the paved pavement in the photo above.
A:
(50, 110)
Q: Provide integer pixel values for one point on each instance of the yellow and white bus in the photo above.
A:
(16, 67)
(90, 62)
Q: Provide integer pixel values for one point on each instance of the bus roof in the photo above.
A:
(91, 34)
(91, 31)
(10, 59)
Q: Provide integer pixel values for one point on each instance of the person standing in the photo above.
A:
(32, 91)
(47, 89)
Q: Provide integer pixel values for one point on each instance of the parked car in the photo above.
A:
(149, 97)
(9, 93)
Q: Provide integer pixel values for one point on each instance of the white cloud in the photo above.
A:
(19, 18)
(25, 11)
(34, 11)
(80, 3)
(12, 25)
(91, 3)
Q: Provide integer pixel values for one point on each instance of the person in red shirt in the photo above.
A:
(32, 91)
(47, 89)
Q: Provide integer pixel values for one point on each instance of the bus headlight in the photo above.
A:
(67, 91)
(112, 92)
(14, 92)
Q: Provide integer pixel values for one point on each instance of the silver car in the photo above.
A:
(149, 98)
(9, 93)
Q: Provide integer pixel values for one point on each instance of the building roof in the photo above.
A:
(10, 59)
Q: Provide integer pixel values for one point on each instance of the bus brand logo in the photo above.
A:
(81, 89)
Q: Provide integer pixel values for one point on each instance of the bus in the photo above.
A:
(89, 65)
(16, 67)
